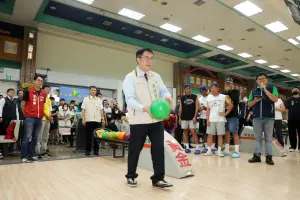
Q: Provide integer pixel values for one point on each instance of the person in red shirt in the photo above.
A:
(170, 123)
(33, 109)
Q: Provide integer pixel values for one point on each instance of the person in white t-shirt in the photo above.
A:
(216, 117)
(279, 108)
(202, 109)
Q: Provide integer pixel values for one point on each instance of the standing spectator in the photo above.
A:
(54, 122)
(202, 109)
(279, 108)
(8, 110)
(178, 130)
(20, 94)
(243, 114)
(107, 112)
(62, 102)
(292, 105)
(116, 113)
(188, 112)
(231, 125)
(263, 99)
(73, 107)
(92, 116)
(41, 147)
(216, 117)
(33, 109)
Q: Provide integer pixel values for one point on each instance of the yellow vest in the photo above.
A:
(47, 107)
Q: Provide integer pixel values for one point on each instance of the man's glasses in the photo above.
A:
(147, 58)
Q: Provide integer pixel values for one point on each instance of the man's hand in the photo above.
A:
(169, 99)
(1, 119)
(208, 123)
(83, 122)
(194, 120)
(103, 123)
(179, 121)
(147, 110)
(257, 99)
(222, 114)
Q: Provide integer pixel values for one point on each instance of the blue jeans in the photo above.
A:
(265, 126)
(32, 127)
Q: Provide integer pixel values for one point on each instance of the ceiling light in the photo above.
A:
(276, 27)
(201, 38)
(89, 2)
(171, 27)
(245, 55)
(294, 42)
(274, 66)
(295, 74)
(131, 14)
(260, 61)
(285, 70)
(248, 8)
(298, 38)
(225, 47)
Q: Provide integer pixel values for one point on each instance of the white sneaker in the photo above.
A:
(292, 150)
(220, 154)
(208, 153)
(35, 158)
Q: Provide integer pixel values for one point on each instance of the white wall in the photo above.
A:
(14, 73)
(67, 55)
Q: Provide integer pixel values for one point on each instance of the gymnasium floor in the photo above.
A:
(98, 178)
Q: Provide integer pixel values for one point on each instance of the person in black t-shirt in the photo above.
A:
(243, 114)
(232, 125)
(54, 122)
(292, 105)
(188, 111)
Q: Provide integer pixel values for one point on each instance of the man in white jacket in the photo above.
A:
(141, 87)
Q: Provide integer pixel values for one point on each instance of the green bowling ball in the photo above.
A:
(160, 109)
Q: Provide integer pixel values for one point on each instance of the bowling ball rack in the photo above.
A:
(114, 143)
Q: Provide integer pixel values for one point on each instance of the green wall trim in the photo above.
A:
(210, 63)
(10, 64)
(220, 66)
(8, 7)
(109, 35)
(243, 72)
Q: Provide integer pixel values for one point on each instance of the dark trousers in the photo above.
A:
(4, 125)
(294, 128)
(278, 131)
(90, 127)
(178, 134)
(242, 123)
(138, 134)
(32, 129)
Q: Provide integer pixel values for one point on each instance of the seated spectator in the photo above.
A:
(170, 123)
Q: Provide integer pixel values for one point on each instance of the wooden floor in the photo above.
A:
(103, 178)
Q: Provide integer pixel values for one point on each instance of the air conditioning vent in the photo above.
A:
(199, 2)
(251, 30)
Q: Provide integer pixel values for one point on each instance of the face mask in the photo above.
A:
(245, 100)
(295, 93)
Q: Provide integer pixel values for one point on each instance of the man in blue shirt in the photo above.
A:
(141, 87)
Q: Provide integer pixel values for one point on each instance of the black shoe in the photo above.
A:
(269, 160)
(31, 159)
(132, 182)
(87, 153)
(162, 184)
(255, 159)
(96, 153)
